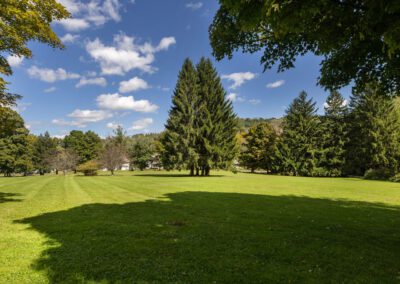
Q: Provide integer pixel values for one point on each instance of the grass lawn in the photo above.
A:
(158, 227)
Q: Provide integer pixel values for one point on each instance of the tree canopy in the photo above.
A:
(358, 39)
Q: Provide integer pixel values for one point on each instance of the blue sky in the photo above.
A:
(120, 67)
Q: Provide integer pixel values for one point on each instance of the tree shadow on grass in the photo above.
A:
(8, 197)
(199, 237)
(163, 175)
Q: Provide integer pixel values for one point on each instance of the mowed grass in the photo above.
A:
(156, 227)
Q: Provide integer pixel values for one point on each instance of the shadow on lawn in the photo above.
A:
(230, 238)
(8, 197)
(162, 175)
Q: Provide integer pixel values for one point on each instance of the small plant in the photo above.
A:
(395, 178)
(378, 174)
(234, 170)
(89, 168)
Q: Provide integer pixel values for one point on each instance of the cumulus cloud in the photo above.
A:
(132, 85)
(233, 97)
(125, 54)
(275, 84)
(51, 75)
(14, 60)
(141, 124)
(74, 25)
(87, 13)
(118, 102)
(90, 115)
(92, 81)
(239, 78)
(69, 38)
(194, 5)
(113, 125)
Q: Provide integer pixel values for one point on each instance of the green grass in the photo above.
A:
(159, 227)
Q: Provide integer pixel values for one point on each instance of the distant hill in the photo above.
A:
(246, 123)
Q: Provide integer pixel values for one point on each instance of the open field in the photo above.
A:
(159, 227)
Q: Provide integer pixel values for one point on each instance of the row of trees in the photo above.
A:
(347, 140)
(24, 153)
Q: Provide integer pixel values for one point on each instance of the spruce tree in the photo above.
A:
(373, 137)
(333, 135)
(201, 128)
(299, 147)
(258, 147)
(217, 123)
(179, 139)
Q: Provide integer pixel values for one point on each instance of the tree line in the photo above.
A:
(359, 138)
(24, 153)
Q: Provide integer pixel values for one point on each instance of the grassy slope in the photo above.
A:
(166, 228)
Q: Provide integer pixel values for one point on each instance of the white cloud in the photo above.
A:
(141, 124)
(239, 79)
(275, 84)
(134, 84)
(233, 97)
(14, 60)
(62, 122)
(125, 55)
(74, 25)
(21, 107)
(194, 5)
(118, 102)
(50, 75)
(50, 90)
(92, 81)
(87, 13)
(69, 38)
(254, 101)
(85, 116)
(113, 125)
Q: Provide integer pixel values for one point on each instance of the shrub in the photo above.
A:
(395, 178)
(89, 168)
(319, 172)
(378, 174)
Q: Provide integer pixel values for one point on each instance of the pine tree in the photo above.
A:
(217, 123)
(333, 135)
(201, 128)
(299, 147)
(374, 132)
(259, 147)
(180, 136)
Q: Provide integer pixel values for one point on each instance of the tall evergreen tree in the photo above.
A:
(179, 140)
(259, 147)
(374, 132)
(333, 135)
(216, 121)
(299, 148)
(201, 128)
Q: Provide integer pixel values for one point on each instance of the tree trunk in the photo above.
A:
(191, 170)
(197, 171)
(207, 171)
(112, 172)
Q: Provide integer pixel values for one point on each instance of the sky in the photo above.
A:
(120, 66)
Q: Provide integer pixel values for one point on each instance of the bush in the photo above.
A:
(378, 174)
(89, 168)
(395, 178)
(319, 172)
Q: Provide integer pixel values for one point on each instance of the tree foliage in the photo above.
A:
(259, 147)
(86, 145)
(45, 147)
(374, 132)
(22, 21)
(358, 39)
(142, 151)
(334, 135)
(299, 145)
(15, 147)
(201, 128)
